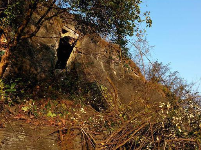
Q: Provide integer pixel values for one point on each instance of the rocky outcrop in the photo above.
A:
(98, 61)
(86, 67)
(94, 65)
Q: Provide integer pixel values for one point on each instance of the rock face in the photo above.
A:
(83, 65)
(35, 58)
(21, 137)
(99, 62)
(94, 64)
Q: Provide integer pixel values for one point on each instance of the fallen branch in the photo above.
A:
(124, 142)
(185, 140)
(115, 94)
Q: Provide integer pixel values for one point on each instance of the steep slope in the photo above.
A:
(93, 62)
(98, 98)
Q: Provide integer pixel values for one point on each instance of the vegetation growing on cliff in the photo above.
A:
(163, 112)
(115, 19)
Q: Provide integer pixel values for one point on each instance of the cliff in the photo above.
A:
(91, 61)
(98, 97)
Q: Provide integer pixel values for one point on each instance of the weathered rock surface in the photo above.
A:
(95, 64)
(19, 135)
(100, 62)
(95, 70)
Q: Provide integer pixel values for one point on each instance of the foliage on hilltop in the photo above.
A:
(116, 19)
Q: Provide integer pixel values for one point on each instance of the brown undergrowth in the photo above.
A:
(164, 126)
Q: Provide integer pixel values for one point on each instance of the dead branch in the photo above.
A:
(181, 139)
(125, 141)
(115, 94)
(24, 24)
(41, 21)
(124, 126)
(184, 140)
(89, 137)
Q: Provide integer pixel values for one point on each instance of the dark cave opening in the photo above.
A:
(66, 46)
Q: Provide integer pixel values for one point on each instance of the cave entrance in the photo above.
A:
(66, 46)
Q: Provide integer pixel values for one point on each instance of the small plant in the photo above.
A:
(2, 53)
(6, 91)
(2, 91)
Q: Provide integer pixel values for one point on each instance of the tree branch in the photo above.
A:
(42, 20)
(24, 24)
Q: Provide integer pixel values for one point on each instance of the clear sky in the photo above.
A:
(176, 35)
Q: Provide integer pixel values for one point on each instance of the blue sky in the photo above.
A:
(176, 35)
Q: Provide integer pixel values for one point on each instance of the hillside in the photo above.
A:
(93, 96)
